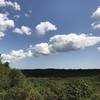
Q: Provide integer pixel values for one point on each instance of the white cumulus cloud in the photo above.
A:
(96, 13)
(1, 35)
(56, 44)
(71, 42)
(16, 55)
(5, 3)
(23, 30)
(5, 23)
(65, 43)
(96, 26)
(42, 48)
(45, 27)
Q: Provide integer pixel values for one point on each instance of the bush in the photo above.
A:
(79, 90)
(16, 78)
(16, 94)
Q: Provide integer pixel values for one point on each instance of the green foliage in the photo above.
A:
(63, 89)
(16, 78)
(4, 77)
(16, 94)
(15, 86)
(79, 90)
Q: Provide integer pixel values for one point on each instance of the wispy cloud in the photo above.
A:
(96, 17)
(16, 55)
(28, 13)
(1, 35)
(16, 16)
(5, 3)
(23, 30)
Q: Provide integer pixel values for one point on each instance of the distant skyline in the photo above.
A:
(61, 34)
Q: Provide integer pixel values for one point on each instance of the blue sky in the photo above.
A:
(37, 21)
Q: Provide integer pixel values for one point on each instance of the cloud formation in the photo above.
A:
(45, 27)
(23, 30)
(56, 44)
(96, 16)
(72, 42)
(28, 13)
(96, 13)
(1, 35)
(5, 23)
(65, 43)
(98, 48)
(5, 3)
(16, 55)
(42, 48)
(17, 16)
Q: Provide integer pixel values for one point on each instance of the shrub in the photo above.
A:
(79, 90)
